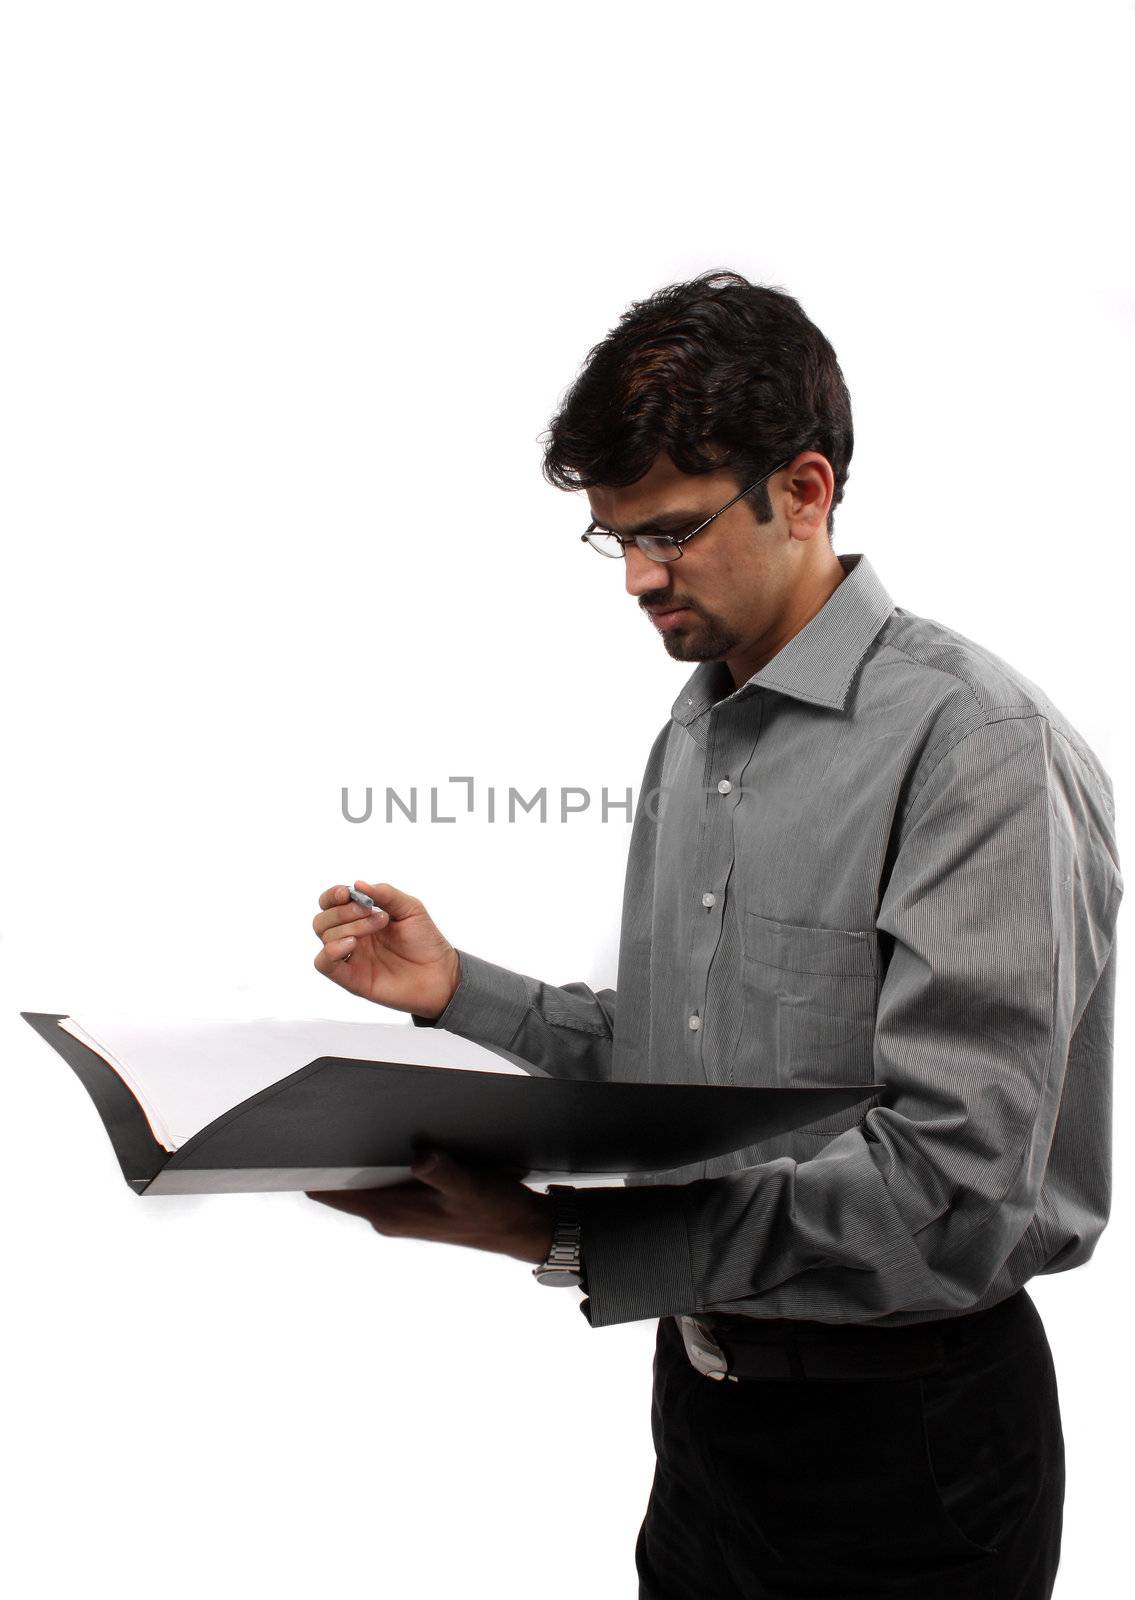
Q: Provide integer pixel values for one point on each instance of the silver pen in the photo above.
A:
(363, 900)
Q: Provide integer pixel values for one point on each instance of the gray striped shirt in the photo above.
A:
(885, 857)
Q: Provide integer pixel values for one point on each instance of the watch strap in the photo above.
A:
(564, 1261)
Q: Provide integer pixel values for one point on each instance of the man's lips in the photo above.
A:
(668, 616)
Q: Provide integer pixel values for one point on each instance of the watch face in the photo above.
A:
(567, 1276)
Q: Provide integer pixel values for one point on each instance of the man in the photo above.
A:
(866, 850)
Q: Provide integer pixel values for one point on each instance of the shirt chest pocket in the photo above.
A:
(811, 996)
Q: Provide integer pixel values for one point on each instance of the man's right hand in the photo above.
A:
(396, 957)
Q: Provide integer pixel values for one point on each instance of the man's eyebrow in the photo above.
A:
(664, 522)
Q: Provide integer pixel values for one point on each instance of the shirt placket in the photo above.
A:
(713, 864)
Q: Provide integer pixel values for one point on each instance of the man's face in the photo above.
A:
(740, 589)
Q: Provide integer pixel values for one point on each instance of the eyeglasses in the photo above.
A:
(661, 546)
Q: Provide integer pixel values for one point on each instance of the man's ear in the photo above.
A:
(809, 488)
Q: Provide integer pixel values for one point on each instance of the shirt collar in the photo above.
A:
(818, 663)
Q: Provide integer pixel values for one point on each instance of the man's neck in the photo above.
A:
(807, 605)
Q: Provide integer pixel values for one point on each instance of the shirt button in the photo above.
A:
(708, 899)
(695, 1023)
(724, 786)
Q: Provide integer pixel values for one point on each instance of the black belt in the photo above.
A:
(751, 1348)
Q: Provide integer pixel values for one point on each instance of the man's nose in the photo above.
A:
(645, 575)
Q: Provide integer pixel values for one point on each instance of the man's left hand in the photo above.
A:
(454, 1204)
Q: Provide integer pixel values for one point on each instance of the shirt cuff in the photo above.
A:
(637, 1254)
(488, 1005)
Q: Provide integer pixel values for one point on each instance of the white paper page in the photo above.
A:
(183, 1075)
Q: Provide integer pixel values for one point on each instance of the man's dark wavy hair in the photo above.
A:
(720, 373)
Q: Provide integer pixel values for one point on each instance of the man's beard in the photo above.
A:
(707, 639)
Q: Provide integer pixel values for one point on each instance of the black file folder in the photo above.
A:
(340, 1123)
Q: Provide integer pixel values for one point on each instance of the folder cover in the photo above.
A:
(341, 1122)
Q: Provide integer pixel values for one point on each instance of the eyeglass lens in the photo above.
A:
(656, 546)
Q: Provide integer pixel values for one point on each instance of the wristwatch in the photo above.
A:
(564, 1264)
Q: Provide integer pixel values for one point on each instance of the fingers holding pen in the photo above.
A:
(346, 916)
(342, 897)
(341, 916)
(340, 928)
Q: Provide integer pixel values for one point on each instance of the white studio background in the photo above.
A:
(290, 292)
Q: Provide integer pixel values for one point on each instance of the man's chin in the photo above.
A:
(681, 649)
(694, 644)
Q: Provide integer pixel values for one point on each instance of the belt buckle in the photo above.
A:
(706, 1356)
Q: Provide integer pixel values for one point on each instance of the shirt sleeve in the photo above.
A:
(999, 914)
(559, 1031)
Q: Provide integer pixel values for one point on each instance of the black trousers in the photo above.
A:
(948, 1485)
